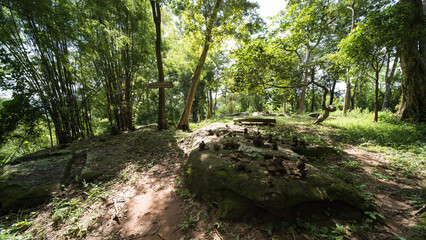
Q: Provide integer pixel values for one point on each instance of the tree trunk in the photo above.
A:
(376, 96)
(195, 110)
(156, 14)
(284, 104)
(360, 93)
(215, 103)
(313, 89)
(327, 109)
(304, 81)
(388, 83)
(333, 87)
(210, 104)
(201, 108)
(347, 103)
(353, 95)
(413, 85)
(184, 118)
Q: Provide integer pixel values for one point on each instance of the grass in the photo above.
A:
(403, 143)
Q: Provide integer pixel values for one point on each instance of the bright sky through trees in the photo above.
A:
(270, 8)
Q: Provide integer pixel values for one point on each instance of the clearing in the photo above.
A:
(147, 198)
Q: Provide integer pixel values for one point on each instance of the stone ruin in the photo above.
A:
(238, 169)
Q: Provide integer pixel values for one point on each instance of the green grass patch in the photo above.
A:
(403, 142)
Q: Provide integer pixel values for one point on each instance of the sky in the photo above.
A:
(270, 8)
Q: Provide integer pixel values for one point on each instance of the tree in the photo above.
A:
(365, 48)
(412, 50)
(118, 48)
(259, 67)
(20, 110)
(389, 76)
(38, 39)
(220, 19)
(307, 23)
(156, 14)
(184, 119)
(370, 43)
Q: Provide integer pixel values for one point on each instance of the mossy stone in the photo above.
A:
(29, 183)
(215, 179)
(314, 151)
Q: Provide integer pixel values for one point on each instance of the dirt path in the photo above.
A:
(390, 191)
(150, 208)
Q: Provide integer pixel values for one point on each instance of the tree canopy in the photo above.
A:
(81, 68)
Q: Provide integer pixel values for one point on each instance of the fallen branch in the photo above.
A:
(419, 211)
(116, 217)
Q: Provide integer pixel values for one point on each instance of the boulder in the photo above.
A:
(314, 151)
(30, 181)
(241, 178)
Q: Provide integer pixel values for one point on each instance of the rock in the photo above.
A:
(230, 143)
(314, 151)
(31, 182)
(217, 180)
(238, 179)
(258, 141)
(218, 130)
(203, 146)
(274, 145)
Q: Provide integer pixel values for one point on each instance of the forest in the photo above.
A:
(76, 71)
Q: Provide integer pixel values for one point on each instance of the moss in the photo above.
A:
(347, 194)
(232, 205)
(213, 178)
(422, 219)
(15, 196)
(314, 152)
(90, 175)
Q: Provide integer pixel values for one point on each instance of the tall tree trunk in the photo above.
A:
(304, 80)
(376, 96)
(201, 107)
(353, 95)
(215, 103)
(284, 104)
(412, 105)
(210, 102)
(333, 87)
(388, 82)
(360, 93)
(156, 14)
(184, 118)
(313, 89)
(347, 102)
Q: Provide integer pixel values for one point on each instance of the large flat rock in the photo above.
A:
(30, 182)
(240, 176)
